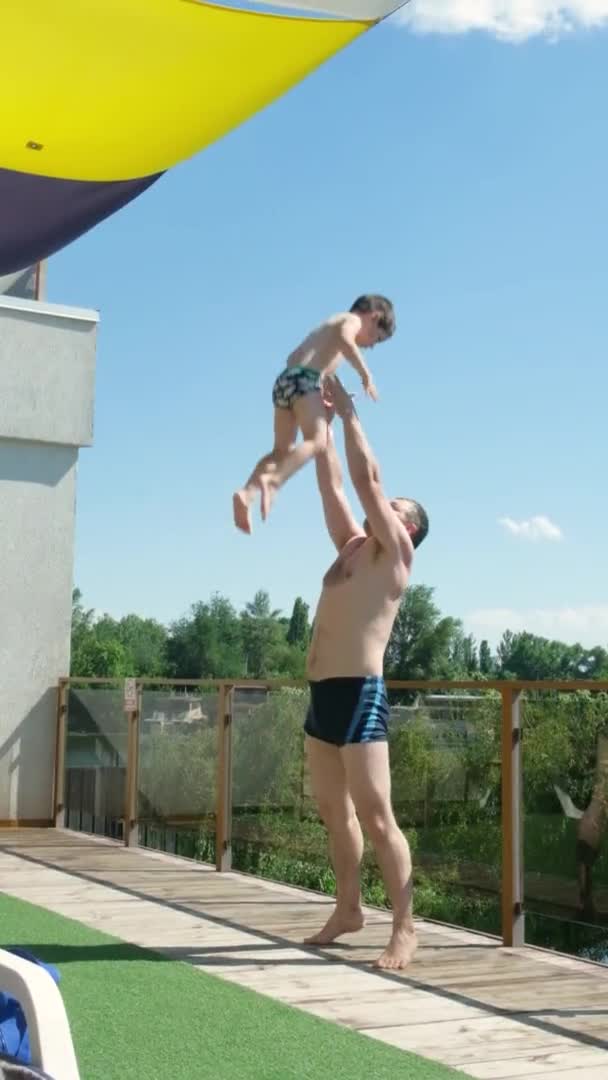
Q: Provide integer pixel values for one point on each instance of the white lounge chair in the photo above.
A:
(51, 1045)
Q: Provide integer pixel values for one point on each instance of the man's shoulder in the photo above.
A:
(383, 570)
(375, 553)
(356, 540)
(399, 554)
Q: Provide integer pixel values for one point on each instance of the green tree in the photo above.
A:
(208, 643)
(101, 659)
(527, 656)
(96, 649)
(486, 660)
(463, 655)
(264, 638)
(298, 631)
(594, 664)
(105, 628)
(560, 746)
(273, 738)
(105, 646)
(177, 769)
(145, 641)
(259, 607)
(421, 642)
(82, 624)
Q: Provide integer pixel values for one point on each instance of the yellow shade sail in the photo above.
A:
(112, 90)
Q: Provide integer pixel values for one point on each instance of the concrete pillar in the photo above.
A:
(47, 372)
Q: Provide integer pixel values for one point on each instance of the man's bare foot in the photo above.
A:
(340, 922)
(240, 506)
(399, 951)
(268, 488)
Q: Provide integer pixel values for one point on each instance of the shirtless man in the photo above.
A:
(297, 396)
(346, 726)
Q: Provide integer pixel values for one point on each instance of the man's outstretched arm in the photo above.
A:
(339, 518)
(365, 474)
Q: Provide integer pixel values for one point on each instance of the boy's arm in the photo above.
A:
(351, 352)
(339, 518)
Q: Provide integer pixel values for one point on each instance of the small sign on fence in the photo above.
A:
(130, 695)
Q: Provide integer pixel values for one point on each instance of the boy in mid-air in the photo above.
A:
(298, 399)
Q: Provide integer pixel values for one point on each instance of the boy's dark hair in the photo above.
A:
(373, 302)
(417, 515)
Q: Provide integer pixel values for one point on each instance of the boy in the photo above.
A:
(297, 396)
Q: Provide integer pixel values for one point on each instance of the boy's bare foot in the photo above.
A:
(268, 488)
(340, 922)
(240, 506)
(399, 951)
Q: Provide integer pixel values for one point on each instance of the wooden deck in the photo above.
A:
(494, 1013)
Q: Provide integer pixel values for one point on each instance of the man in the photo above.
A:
(346, 727)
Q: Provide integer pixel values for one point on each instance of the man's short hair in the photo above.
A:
(416, 515)
(373, 302)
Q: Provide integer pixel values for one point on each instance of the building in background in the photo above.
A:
(47, 372)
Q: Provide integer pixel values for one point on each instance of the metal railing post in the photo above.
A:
(223, 813)
(512, 820)
(131, 837)
(60, 748)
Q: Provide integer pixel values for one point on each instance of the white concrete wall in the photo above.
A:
(47, 360)
(47, 372)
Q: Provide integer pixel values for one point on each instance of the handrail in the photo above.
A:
(511, 761)
(564, 685)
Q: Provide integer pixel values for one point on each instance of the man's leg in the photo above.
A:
(368, 780)
(345, 838)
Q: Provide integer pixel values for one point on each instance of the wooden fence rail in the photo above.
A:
(512, 901)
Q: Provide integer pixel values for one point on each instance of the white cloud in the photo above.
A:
(510, 20)
(538, 527)
(587, 624)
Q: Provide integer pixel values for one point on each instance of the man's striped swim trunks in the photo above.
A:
(348, 710)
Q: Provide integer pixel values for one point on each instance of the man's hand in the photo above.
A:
(328, 402)
(341, 401)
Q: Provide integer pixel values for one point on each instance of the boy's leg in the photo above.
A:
(285, 433)
(328, 780)
(369, 783)
(311, 418)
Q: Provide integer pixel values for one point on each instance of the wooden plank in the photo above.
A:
(590, 1072)
(461, 1039)
(399, 1007)
(519, 1066)
(447, 1005)
(33, 823)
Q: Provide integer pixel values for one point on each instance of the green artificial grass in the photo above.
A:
(135, 1015)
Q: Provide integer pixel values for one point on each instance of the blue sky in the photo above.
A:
(465, 177)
